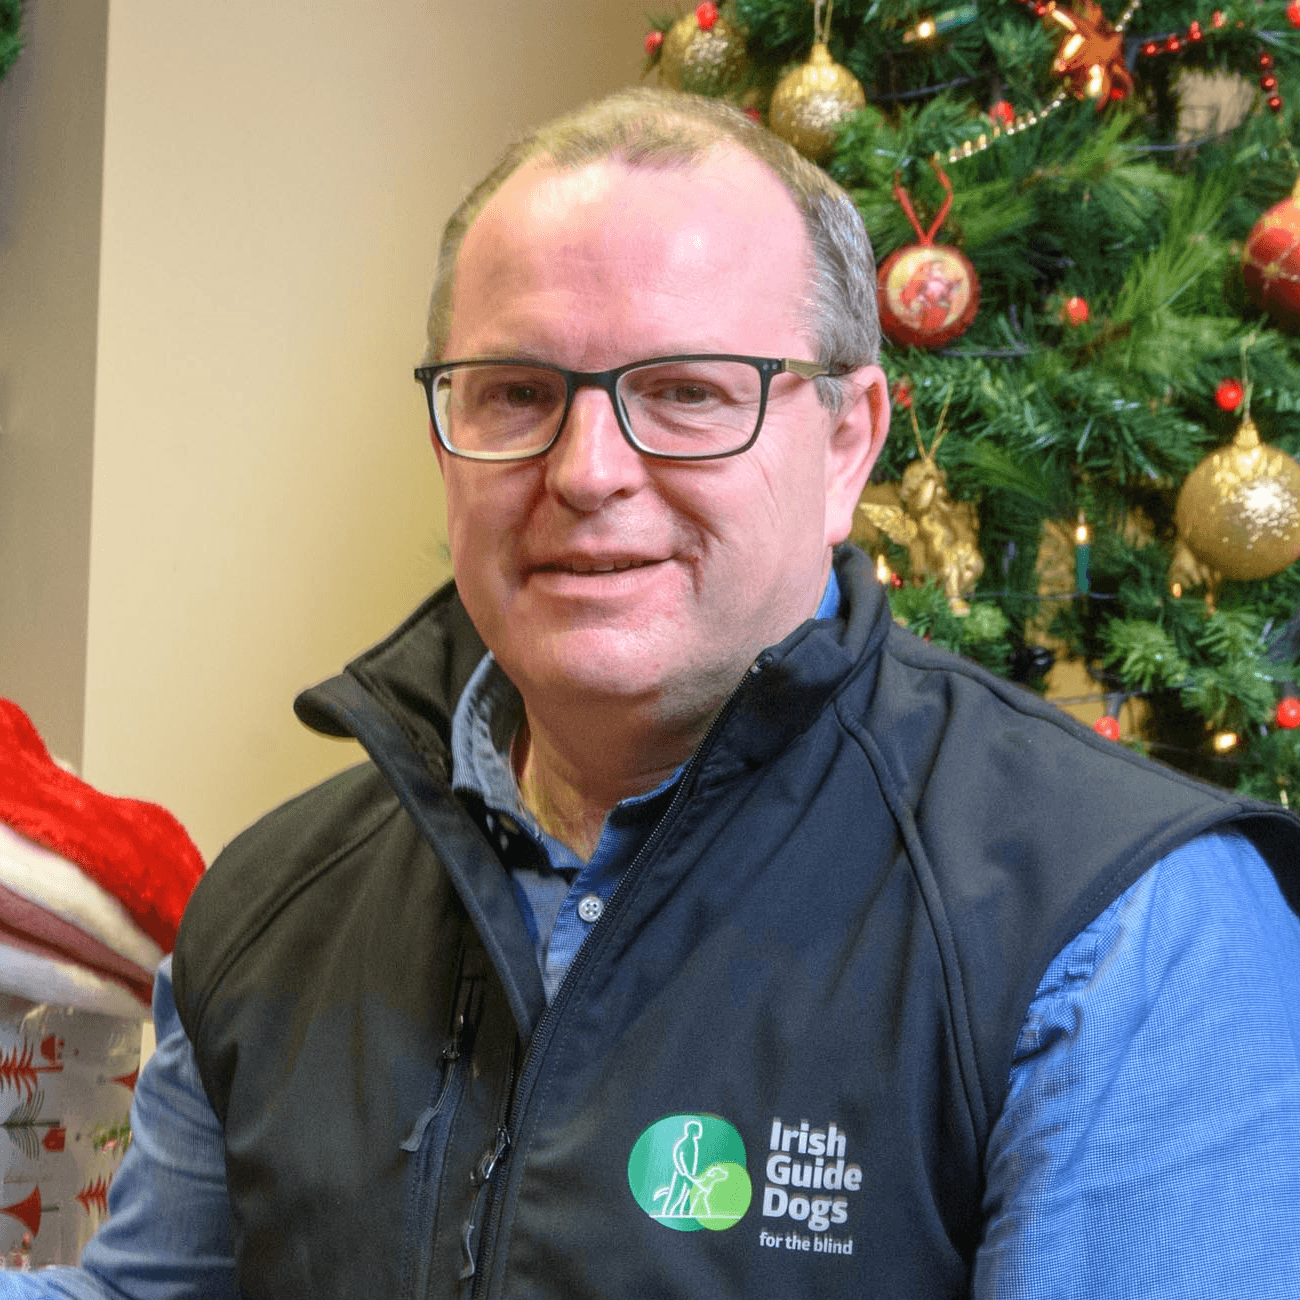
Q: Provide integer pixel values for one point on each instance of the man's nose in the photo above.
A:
(592, 461)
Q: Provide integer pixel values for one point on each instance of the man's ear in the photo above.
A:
(857, 438)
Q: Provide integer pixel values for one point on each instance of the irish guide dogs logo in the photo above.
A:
(688, 1172)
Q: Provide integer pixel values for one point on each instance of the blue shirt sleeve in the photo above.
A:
(1150, 1144)
(168, 1235)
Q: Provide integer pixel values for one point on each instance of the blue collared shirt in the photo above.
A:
(561, 896)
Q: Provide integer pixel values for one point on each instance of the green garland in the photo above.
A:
(11, 13)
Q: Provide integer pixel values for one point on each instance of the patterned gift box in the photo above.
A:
(66, 1081)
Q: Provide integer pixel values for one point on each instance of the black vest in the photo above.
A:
(773, 1067)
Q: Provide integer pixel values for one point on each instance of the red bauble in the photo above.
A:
(928, 292)
(706, 14)
(1107, 727)
(1293, 13)
(1271, 264)
(1075, 312)
(653, 40)
(1288, 712)
(1004, 113)
(1228, 394)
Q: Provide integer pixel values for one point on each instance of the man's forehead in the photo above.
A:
(558, 245)
(544, 190)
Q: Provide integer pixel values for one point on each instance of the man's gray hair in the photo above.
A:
(654, 129)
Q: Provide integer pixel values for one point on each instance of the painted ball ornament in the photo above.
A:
(1271, 263)
(928, 293)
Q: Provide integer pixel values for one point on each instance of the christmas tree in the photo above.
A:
(1091, 286)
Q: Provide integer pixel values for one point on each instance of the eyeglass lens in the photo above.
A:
(674, 408)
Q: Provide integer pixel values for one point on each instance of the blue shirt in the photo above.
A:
(561, 896)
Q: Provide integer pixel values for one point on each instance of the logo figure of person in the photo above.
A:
(687, 1194)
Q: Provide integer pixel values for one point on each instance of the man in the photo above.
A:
(710, 935)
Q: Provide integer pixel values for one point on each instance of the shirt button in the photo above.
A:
(590, 907)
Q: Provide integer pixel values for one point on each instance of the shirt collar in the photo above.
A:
(488, 714)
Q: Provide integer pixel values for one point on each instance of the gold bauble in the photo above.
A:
(1238, 511)
(811, 101)
(703, 61)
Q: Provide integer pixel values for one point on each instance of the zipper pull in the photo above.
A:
(488, 1164)
(459, 1042)
(479, 1178)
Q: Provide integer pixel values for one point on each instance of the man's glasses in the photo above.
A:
(695, 407)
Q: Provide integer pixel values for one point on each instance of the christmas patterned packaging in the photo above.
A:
(66, 1081)
(92, 887)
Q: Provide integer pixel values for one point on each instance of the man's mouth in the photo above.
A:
(605, 566)
(596, 564)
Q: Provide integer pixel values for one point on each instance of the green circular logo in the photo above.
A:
(688, 1172)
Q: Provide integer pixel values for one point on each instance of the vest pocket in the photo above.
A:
(428, 1140)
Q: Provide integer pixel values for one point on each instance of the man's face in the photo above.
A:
(593, 572)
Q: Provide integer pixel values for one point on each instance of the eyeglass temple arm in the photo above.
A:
(808, 369)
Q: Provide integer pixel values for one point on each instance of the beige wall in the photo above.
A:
(263, 501)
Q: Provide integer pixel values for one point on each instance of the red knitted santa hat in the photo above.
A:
(136, 851)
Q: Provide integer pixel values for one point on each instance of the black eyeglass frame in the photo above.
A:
(607, 380)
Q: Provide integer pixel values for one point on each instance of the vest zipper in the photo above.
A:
(522, 1083)
(480, 1179)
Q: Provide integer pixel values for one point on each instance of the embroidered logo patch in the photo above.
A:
(688, 1172)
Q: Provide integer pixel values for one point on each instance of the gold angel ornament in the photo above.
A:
(941, 535)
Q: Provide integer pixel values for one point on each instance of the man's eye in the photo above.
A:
(686, 394)
(520, 395)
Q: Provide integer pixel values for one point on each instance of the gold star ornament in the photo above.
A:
(1091, 56)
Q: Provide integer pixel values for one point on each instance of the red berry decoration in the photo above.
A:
(1004, 114)
(1271, 263)
(902, 394)
(1228, 394)
(1075, 311)
(1288, 712)
(1107, 727)
(706, 15)
(653, 40)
